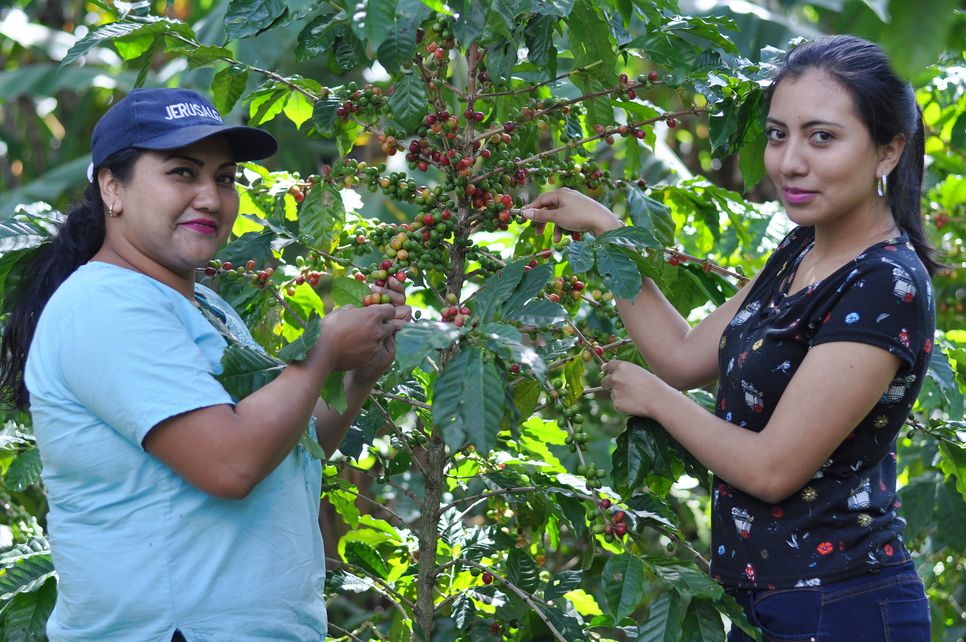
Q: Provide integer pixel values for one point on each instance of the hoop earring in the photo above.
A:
(110, 211)
(882, 186)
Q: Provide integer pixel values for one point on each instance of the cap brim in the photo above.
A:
(247, 143)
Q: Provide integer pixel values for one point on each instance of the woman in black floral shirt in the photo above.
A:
(818, 360)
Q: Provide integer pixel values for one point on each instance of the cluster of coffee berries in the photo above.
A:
(368, 101)
(594, 475)
(226, 269)
(454, 313)
(615, 527)
(561, 288)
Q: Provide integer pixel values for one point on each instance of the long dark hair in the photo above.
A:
(79, 238)
(887, 106)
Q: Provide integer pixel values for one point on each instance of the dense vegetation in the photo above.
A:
(488, 490)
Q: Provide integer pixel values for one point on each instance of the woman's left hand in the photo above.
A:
(633, 389)
(369, 374)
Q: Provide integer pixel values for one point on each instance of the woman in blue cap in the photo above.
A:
(818, 360)
(176, 511)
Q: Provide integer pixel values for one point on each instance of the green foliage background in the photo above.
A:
(458, 467)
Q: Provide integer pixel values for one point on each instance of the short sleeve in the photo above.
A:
(881, 302)
(135, 360)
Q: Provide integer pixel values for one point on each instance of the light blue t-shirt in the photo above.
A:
(139, 551)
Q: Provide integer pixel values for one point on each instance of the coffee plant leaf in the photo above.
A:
(366, 557)
(569, 626)
(324, 114)
(26, 574)
(298, 349)
(688, 581)
(665, 619)
(468, 401)
(416, 341)
(953, 464)
(507, 342)
(399, 43)
(333, 392)
(245, 370)
(246, 18)
(623, 580)
(522, 570)
(408, 101)
(24, 470)
(256, 246)
(227, 87)
(469, 24)
(318, 36)
(339, 581)
(348, 291)
(619, 273)
(498, 288)
(702, 622)
(651, 215)
(580, 255)
(322, 216)
(538, 37)
(539, 313)
(560, 584)
(463, 612)
(530, 286)
(639, 238)
(25, 616)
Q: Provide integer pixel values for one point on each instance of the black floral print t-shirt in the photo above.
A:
(844, 521)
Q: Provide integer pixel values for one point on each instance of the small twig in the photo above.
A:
(397, 431)
(389, 592)
(523, 595)
(288, 308)
(412, 402)
(492, 493)
(529, 88)
(394, 517)
(368, 472)
(338, 629)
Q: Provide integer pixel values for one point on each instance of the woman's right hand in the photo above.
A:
(569, 210)
(352, 337)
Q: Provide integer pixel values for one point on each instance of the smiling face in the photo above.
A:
(174, 212)
(820, 154)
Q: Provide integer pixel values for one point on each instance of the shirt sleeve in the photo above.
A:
(133, 362)
(882, 303)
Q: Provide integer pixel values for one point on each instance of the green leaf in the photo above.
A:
(561, 584)
(630, 237)
(399, 46)
(629, 461)
(408, 101)
(246, 18)
(618, 272)
(322, 215)
(953, 463)
(309, 442)
(652, 215)
(568, 626)
(125, 28)
(318, 36)
(298, 108)
(366, 557)
(349, 51)
(558, 8)
(25, 617)
(377, 23)
(227, 87)
(522, 570)
(664, 620)
(256, 246)
(703, 623)
(623, 580)
(530, 286)
(469, 25)
(507, 342)
(25, 575)
(24, 471)
(580, 255)
(498, 288)
(689, 582)
(468, 401)
(204, 55)
(245, 370)
(298, 349)
(333, 392)
(941, 372)
(134, 46)
(416, 341)
(540, 313)
(538, 36)
(324, 114)
(24, 231)
(463, 612)
(348, 291)
(264, 105)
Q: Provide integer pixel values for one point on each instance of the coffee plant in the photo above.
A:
(487, 491)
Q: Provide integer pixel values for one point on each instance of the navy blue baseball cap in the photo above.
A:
(170, 118)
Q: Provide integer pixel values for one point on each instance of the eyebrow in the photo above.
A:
(811, 123)
(197, 161)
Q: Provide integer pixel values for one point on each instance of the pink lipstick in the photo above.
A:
(795, 196)
(201, 226)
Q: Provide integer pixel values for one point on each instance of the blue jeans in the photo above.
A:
(887, 606)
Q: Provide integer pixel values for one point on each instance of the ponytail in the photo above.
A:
(79, 238)
(905, 199)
